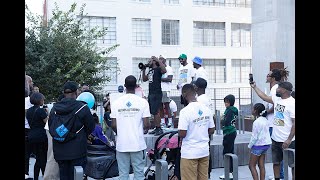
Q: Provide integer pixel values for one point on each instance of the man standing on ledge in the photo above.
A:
(186, 74)
(156, 69)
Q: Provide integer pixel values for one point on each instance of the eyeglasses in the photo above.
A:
(268, 75)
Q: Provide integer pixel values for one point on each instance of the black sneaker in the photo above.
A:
(159, 131)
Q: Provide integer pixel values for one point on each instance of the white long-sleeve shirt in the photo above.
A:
(260, 133)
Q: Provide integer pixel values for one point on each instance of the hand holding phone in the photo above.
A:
(251, 78)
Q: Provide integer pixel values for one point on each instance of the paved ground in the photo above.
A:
(243, 171)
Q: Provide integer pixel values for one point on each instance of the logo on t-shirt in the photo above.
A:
(278, 115)
(128, 104)
(183, 75)
(200, 112)
(150, 75)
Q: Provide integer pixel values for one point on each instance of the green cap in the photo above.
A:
(182, 56)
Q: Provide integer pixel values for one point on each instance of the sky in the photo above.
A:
(35, 6)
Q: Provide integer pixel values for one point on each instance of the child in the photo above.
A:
(97, 133)
(229, 128)
(260, 141)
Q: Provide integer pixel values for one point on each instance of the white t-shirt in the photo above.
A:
(27, 105)
(196, 118)
(260, 133)
(203, 98)
(270, 116)
(185, 75)
(129, 110)
(166, 86)
(173, 107)
(114, 97)
(201, 72)
(284, 110)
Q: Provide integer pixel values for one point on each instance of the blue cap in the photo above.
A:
(120, 88)
(197, 60)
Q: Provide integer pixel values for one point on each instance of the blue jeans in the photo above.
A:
(66, 167)
(137, 160)
(281, 164)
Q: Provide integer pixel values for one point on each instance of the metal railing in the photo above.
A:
(161, 169)
(78, 173)
(286, 153)
(227, 158)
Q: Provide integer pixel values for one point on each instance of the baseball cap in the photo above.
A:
(201, 83)
(197, 60)
(120, 88)
(70, 86)
(182, 56)
(286, 85)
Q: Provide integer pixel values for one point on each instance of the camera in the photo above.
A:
(251, 78)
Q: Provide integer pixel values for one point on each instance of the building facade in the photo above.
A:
(219, 31)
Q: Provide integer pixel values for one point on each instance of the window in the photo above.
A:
(240, 70)
(103, 22)
(240, 35)
(216, 69)
(112, 71)
(238, 3)
(141, 31)
(209, 2)
(170, 32)
(209, 33)
(171, 1)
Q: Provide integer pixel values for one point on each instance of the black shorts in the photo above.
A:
(155, 101)
(277, 153)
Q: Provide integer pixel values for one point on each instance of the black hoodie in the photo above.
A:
(77, 147)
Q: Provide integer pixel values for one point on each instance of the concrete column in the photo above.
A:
(273, 39)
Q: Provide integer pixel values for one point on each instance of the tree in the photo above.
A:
(64, 49)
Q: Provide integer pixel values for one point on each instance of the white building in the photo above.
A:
(219, 31)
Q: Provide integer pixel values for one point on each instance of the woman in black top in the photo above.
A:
(37, 118)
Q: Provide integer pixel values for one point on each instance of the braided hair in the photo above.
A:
(260, 109)
(280, 74)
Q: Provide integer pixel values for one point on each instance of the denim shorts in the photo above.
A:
(258, 152)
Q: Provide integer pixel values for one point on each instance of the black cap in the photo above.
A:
(286, 85)
(70, 87)
(201, 83)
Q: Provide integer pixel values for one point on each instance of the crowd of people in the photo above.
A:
(127, 118)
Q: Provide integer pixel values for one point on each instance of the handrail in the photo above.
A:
(161, 169)
(227, 158)
(286, 153)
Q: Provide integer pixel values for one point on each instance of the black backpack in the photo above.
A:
(61, 126)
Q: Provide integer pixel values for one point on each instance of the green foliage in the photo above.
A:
(64, 49)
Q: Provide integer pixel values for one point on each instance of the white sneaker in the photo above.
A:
(230, 176)
(163, 125)
(170, 125)
(26, 176)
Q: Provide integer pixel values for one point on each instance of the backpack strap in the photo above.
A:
(76, 113)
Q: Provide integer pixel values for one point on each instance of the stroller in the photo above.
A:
(101, 161)
(168, 144)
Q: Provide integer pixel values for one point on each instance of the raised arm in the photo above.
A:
(261, 94)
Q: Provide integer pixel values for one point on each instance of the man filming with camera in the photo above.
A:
(156, 69)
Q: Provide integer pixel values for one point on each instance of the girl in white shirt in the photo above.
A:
(260, 141)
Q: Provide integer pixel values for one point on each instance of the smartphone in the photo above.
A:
(251, 78)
